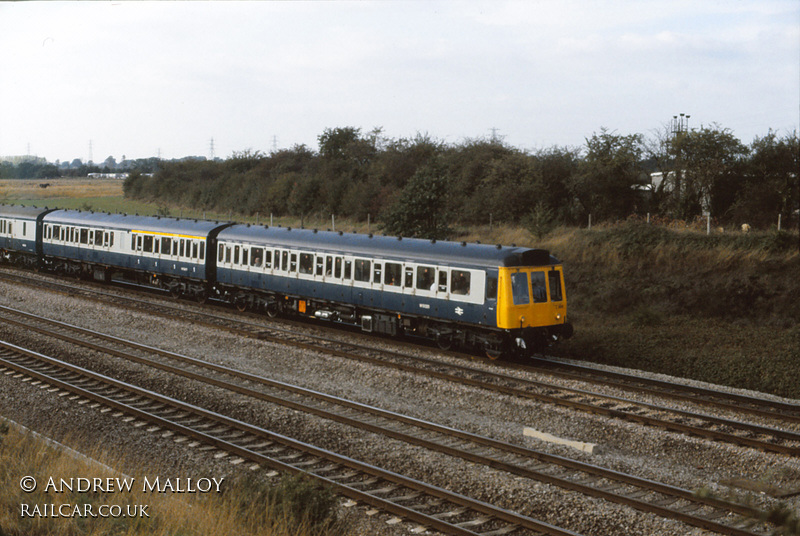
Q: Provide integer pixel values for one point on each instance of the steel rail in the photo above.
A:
(386, 505)
(512, 467)
(260, 332)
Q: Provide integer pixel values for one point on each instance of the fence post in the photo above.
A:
(590, 222)
(779, 221)
(367, 223)
(270, 219)
(648, 217)
(333, 223)
(708, 223)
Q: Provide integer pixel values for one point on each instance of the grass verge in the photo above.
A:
(244, 507)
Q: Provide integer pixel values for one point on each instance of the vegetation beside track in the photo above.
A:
(247, 506)
(723, 308)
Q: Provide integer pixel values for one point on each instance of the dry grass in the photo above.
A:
(30, 189)
(234, 511)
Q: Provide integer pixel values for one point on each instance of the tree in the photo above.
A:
(770, 185)
(605, 179)
(421, 209)
(707, 157)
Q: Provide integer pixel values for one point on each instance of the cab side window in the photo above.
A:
(554, 279)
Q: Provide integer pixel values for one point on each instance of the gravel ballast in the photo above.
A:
(672, 458)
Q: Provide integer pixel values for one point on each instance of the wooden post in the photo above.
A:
(779, 221)
(333, 223)
(590, 222)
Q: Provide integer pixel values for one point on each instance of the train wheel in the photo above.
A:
(241, 305)
(445, 342)
(201, 297)
(272, 310)
(175, 292)
(494, 355)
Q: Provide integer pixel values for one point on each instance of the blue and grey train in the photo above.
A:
(497, 299)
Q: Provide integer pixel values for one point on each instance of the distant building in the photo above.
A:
(121, 176)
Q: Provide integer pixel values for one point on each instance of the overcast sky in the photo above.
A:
(137, 78)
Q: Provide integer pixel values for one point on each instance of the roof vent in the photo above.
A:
(248, 225)
(499, 246)
(433, 240)
(399, 237)
(315, 231)
(288, 228)
(341, 233)
(463, 244)
(370, 235)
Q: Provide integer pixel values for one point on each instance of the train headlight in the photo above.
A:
(558, 316)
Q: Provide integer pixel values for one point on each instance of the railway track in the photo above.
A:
(781, 439)
(645, 495)
(409, 499)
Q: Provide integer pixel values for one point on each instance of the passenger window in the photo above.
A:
(98, 237)
(139, 242)
(166, 245)
(148, 244)
(320, 265)
(426, 278)
(84, 236)
(182, 249)
(235, 254)
(337, 268)
(538, 288)
(202, 250)
(285, 261)
(175, 247)
(393, 274)
(378, 268)
(362, 270)
(195, 249)
(228, 254)
(268, 259)
(409, 281)
(306, 263)
(111, 238)
(519, 288)
(348, 269)
(221, 253)
(255, 258)
(460, 282)
(554, 279)
(328, 265)
(293, 262)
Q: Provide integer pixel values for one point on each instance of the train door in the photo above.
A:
(540, 310)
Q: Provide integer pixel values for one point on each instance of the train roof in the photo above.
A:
(418, 250)
(154, 224)
(19, 211)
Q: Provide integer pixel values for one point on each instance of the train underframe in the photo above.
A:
(495, 343)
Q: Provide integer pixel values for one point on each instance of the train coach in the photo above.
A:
(20, 234)
(495, 298)
(165, 252)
